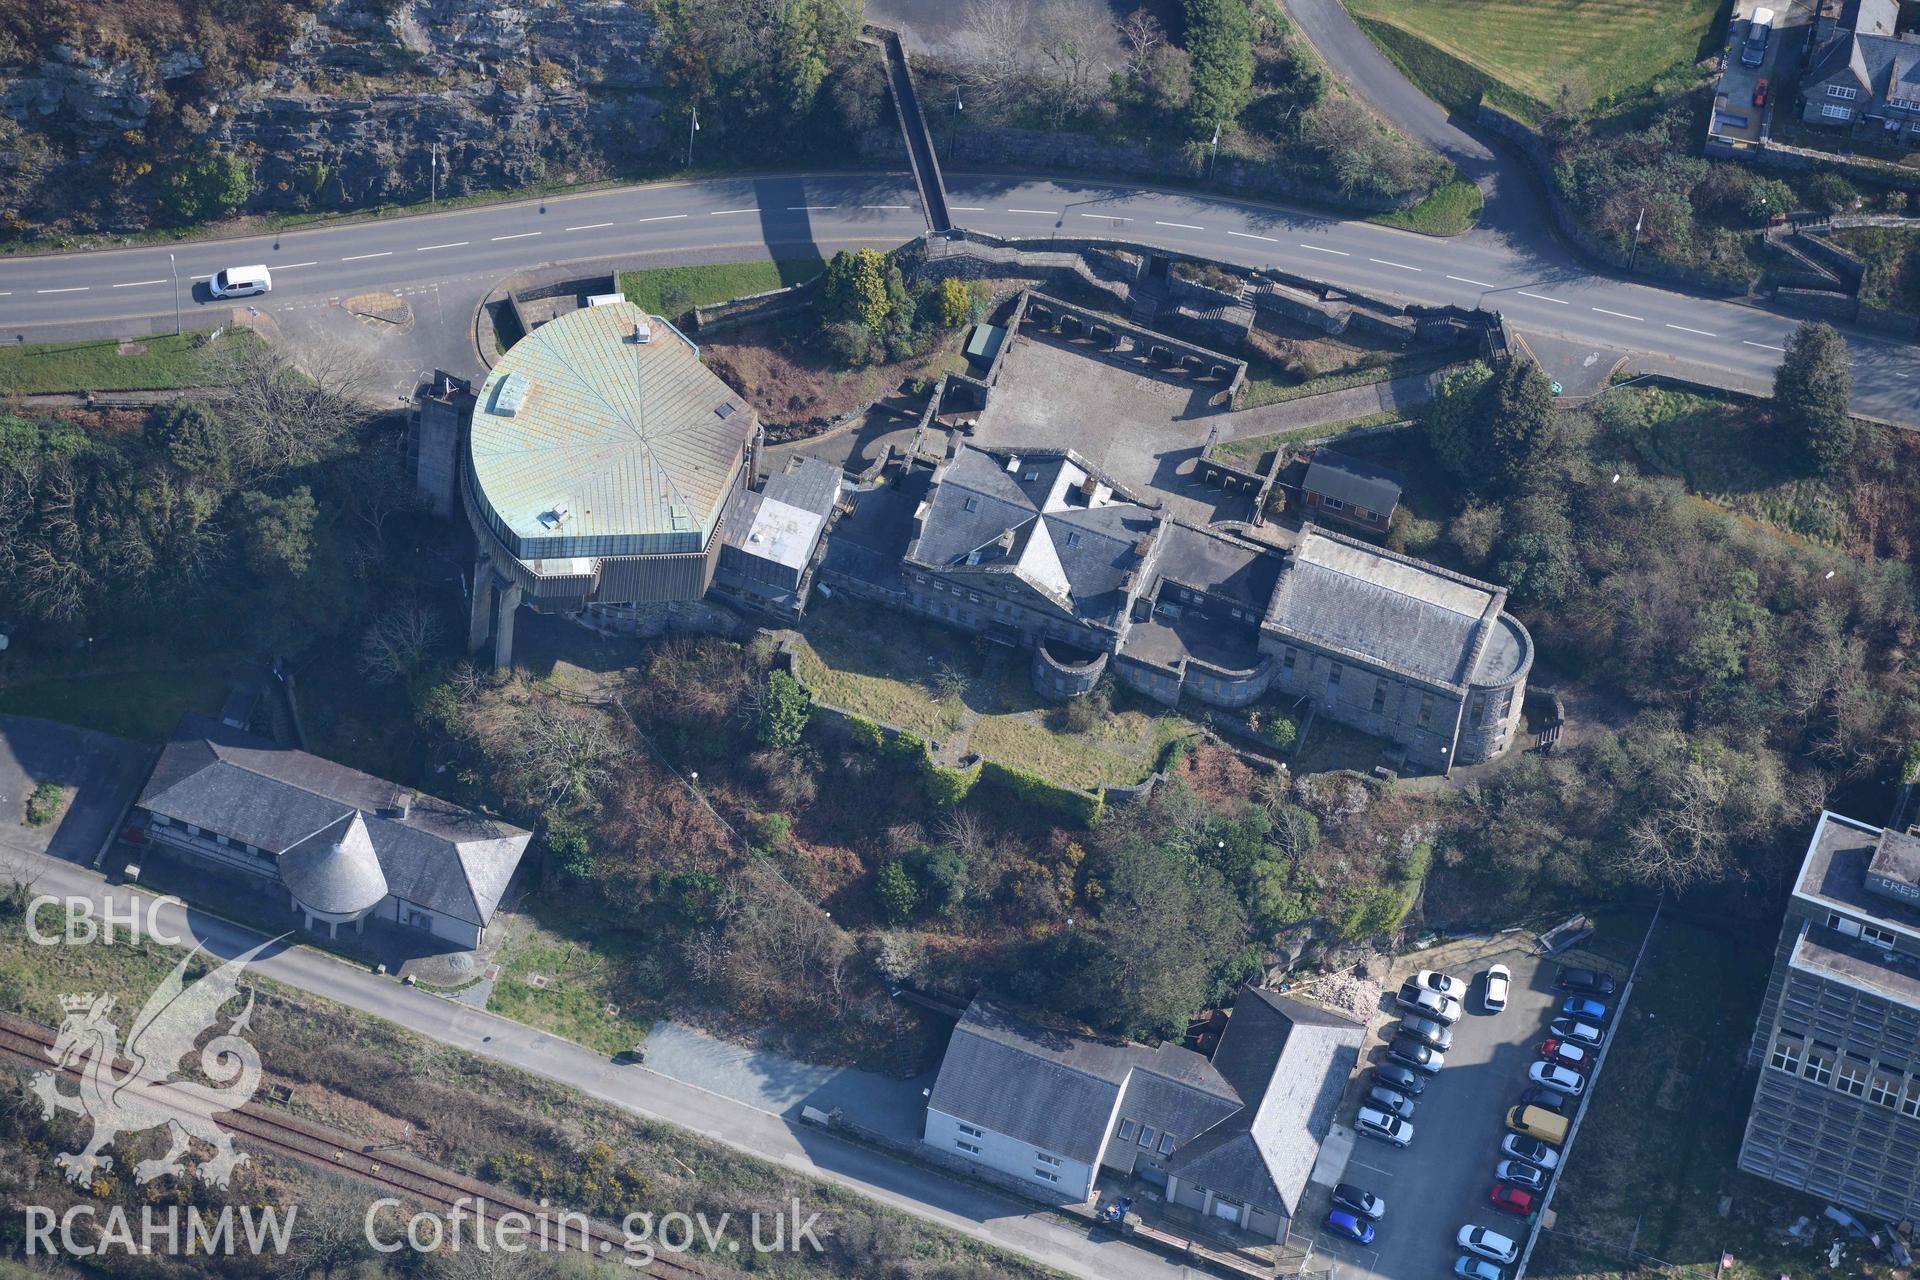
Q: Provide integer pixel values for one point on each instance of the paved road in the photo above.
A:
(1538, 286)
(962, 1206)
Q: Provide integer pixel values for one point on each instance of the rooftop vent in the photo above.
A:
(1013, 465)
(642, 332)
(724, 410)
(399, 805)
(511, 395)
(560, 514)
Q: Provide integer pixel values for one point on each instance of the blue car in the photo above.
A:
(1342, 1223)
(1476, 1269)
(1581, 1007)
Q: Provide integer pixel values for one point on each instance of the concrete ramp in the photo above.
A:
(913, 128)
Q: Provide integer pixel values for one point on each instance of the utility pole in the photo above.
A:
(693, 127)
(1636, 239)
(433, 176)
(953, 137)
(175, 269)
(1215, 158)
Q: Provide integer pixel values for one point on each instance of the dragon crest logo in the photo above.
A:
(148, 1095)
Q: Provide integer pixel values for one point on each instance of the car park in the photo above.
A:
(1378, 1124)
(1358, 1200)
(1487, 1243)
(1585, 982)
(1428, 1004)
(1443, 983)
(1342, 1223)
(1476, 1269)
(1400, 1079)
(1521, 1174)
(1391, 1102)
(1760, 93)
(1579, 1032)
(1584, 1009)
(1567, 1054)
(1562, 1079)
(1427, 1031)
(1517, 1201)
(1411, 1053)
(1499, 979)
(1534, 1096)
(1531, 1150)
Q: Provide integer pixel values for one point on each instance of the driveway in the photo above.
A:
(103, 773)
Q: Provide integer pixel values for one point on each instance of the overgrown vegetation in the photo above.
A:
(1891, 256)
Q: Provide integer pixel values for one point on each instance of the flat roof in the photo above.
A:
(1835, 873)
(587, 442)
(1828, 953)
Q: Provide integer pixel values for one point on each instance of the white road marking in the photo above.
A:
(452, 244)
(1478, 284)
(1403, 266)
(1117, 217)
(288, 266)
(135, 284)
(1702, 332)
(6, 293)
(1045, 213)
(1248, 235)
(78, 288)
(1184, 226)
(590, 226)
(1370, 1168)
(1762, 344)
(714, 213)
(1541, 297)
(522, 235)
(1338, 253)
(361, 257)
(1619, 315)
(664, 217)
(809, 208)
(892, 206)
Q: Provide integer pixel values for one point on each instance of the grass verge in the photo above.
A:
(141, 705)
(159, 363)
(1250, 451)
(1452, 208)
(1266, 384)
(671, 291)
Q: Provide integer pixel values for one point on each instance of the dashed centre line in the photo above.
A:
(1184, 226)
(712, 213)
(78, 288)
(518, 235)
(1541, 297)
(362, 257)
(664, 217)
(810, 208)
(1248, 235)
(135, 284)
(1045, 213)
(886, 206)
(1765, 345)
(1112, 217)
(1478, 284)
(1338, 253)
(288, 266)
(1618, 315)
(1401, 265)
(590, 226)
(451, 244)
(1702, 332)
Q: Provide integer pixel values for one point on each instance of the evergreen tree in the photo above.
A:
(1220, 43)
(1812, 392)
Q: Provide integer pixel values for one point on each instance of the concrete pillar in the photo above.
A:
(480, 626)
(503, 625)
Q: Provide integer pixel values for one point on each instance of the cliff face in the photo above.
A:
(342, 105)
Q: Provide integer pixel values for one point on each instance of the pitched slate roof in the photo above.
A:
(1883, 66)
(1382, 608)
(233, 783)
(335, 871)
(1356, 482)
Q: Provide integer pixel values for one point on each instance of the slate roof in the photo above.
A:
(335, 870)
(1241, 572)
(1049, 519)
(233, 783)
(1248, 1124)
(1354, 481)
(1385, 609)
(1883, 66)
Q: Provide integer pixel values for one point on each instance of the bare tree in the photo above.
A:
(1076, 38)
(399, 642)
(1143, 34)
(994, 59)
(283, 414)
(562, 750)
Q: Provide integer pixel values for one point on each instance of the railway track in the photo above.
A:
(24, 1045)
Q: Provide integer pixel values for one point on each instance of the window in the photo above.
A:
(1166, 1144)
(1479, 714)
(1878, 937)
(219, 839)
(1333, 504)
(1910, 1101)
(1046, 1159)
(1832, 112)
(1426, 709)
(1884, 1091)
(1286, 661)
(1819, 1068)
(1905, 104)
(970, 1131)
(1841, 92)
(966, 1146)
(1073, 539)
(1853, 1076)
(971, 504)
(1126, 1130)
(1333, 676)
(1146, 1135)
(1046, 1175)
(1379, 696)
(1786, 1055)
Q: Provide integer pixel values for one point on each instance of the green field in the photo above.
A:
(1520, 55)
(671, 291)
(161, 363)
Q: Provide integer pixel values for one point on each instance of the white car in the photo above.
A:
(1378, 1124)
(1499, 978)
(1487, 1244)
(1444, 983)
(1431, 1004)
(1532, 1150)
(1559, 1079)
(1579, 1032)
(240, 282)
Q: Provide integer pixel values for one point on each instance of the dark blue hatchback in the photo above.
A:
(1340, 1222)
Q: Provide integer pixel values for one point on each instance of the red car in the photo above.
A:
(1567, 1054)
(1511, 1199)
(1760, 94)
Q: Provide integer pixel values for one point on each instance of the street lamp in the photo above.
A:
(693, 127)
(173, 267)
(1636, 238)
(953, 135)
(1214, 159)
(433, 175)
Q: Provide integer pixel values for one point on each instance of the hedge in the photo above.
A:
(1084, 807)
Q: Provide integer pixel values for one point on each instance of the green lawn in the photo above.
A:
(587, 974)
(1520, 54)
(719, 282)
(1452, 208)
(141, 705)
(166, 361)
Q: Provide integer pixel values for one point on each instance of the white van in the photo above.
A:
(241, 282)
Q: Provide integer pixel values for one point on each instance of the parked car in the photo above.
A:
(1579, 1032)
(1567, 1054)
(1517, 1201)
(1378, 1124)
(1521, 1174)
(1760, 93)
(1531, 1150)
(1358, 1200)
(1427, 1031)
(1753, 50)
(1409, 1052)
(1476, 1269)
(1429, 1004)
(240, 282)
(1586, 982)
(1563, 1079)
(1342, 1223)
(1400, 1079)
(1535, 1096)
(1391, 1102)
(1487, 1243)
(1584, 1009)
(1443, 983)
(1499, 978)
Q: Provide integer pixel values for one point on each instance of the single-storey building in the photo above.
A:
(343, 846)
(1350, 491)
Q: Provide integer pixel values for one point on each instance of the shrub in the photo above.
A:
(944, 874)
(772, 831)
(43, 805)
(896, 893)
(1834, 193)
(945, 787)
(955, 303)
(209, 185)
(568, 846)
(783, 711)
(697, 897)
(1280, 731)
